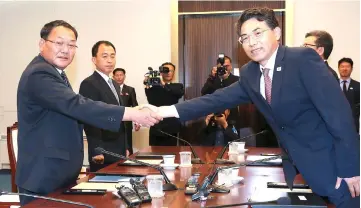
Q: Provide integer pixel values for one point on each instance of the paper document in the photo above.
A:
(107, 186)
(152, 162)
(113, 178)
(9, 198)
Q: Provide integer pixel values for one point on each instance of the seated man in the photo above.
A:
(218, 131)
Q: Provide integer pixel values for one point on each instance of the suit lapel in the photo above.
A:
(278, 72)
(104, 86)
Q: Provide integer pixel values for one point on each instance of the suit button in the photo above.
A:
(282, 127)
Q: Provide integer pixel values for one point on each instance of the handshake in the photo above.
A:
(148, 115)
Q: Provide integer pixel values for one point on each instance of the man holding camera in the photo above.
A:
(218, 131)
(219, 78)
(164, 93)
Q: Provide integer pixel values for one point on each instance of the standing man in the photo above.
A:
(294, 90)
(129, 98)
(100, 87)
(350, 87)
(322, 42)
(50, 140)
(167, 93)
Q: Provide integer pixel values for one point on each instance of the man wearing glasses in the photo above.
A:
(322, 42)
(50, 113)
(300, 100)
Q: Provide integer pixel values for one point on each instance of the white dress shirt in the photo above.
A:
(105, 77)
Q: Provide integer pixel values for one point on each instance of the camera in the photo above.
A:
(164, 69)
(221, 70)
(212, 120)
(154, 76)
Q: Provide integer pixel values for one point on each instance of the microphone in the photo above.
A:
(46, 198)
(280, 201)
(219, 159)
(168, 186)
(203, 192)
(195, 159)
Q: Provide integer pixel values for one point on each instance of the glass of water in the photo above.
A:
(185, 158)
(155, 185)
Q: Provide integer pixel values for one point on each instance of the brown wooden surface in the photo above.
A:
(254, 177)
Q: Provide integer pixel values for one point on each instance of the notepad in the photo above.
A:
(107, 186)
(9, 198)
(113, 178)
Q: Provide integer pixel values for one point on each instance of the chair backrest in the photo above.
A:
(250, 141)
(12, 143)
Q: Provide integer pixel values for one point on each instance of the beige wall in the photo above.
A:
(140, 31)
(341, 18)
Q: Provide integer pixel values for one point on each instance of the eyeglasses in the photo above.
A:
(309, 45)
(257, 34)
(60, 44)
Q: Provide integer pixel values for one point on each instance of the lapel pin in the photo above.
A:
(279, 68)
(351, 88)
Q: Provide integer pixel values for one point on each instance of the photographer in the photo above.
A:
(164, 93)
(218, 80)
(218, 130)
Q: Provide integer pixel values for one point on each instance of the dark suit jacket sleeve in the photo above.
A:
(208, 87)
(332, 105)
(94, 135)
(220, 100)
(176, 89)
(133, 97)
(50, 91)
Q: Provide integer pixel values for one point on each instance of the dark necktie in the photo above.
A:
(65, 78)
(344, 87)
(267, 84)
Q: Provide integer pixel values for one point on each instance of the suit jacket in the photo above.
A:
(97, 89)
(309, 115)
(129, 96)
(333, 72)
(50, 138)
(353, 97)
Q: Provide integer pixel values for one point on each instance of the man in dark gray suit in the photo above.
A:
(50, 140)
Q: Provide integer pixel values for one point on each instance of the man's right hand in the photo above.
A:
(145, 117)
(214, 71)
(98, 159)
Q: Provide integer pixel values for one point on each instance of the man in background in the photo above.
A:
(129, 97)
(165, 93)
(50, 113)
(217, 131)
(322, 42)
(350, 87)
(100, 87)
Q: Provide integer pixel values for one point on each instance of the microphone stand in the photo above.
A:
(204, 192)
(168, 186)
(195, 159)
(219, 159)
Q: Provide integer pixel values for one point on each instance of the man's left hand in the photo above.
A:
(352, 183)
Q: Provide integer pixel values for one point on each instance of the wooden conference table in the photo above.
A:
(255, 179)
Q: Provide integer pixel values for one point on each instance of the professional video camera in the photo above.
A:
(221, 70)
(154, 76)
(212, 120)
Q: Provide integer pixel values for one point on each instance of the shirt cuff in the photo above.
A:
(168, 111)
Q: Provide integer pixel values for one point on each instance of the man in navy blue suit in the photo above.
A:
(50, 113)
(300, 100)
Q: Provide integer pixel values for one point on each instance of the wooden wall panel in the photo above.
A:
(206, 6)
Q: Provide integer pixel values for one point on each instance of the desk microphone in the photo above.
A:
(195, 159)
(219, 159)
(282, 201)
(208, 180)
(168, 186)
(46, 198)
